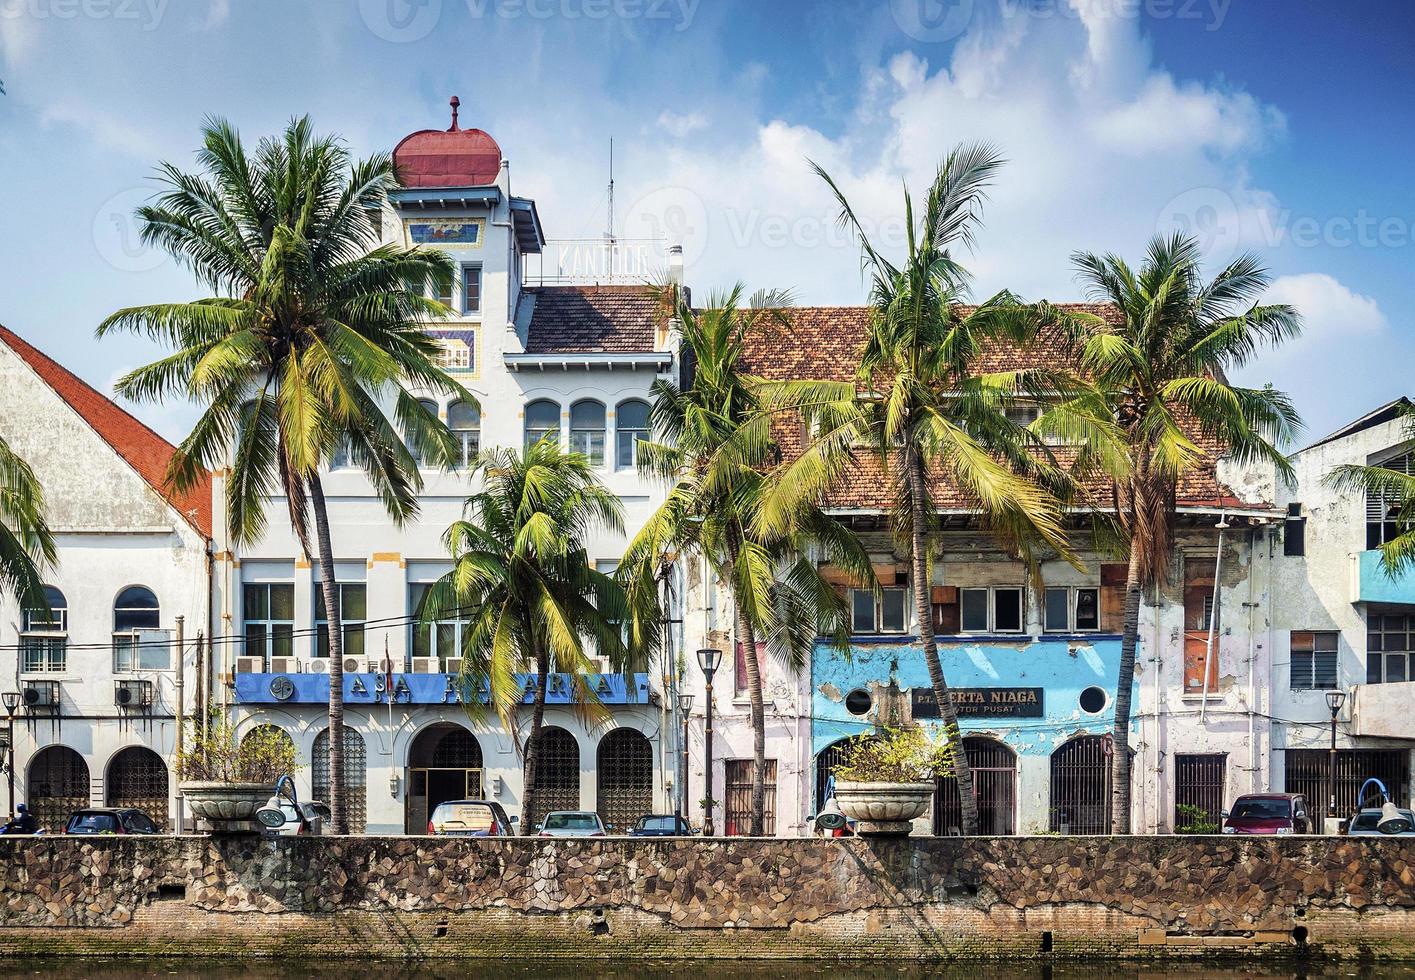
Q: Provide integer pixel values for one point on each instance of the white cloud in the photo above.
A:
(1330, 311)
(217, 14)
(682, 125)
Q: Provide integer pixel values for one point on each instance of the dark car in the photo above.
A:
(470, 818)
(661, 825)
(106, 821)
(1367, 824)
(1268, 813)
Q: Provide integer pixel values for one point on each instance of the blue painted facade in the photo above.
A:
(1374, 585)
(1062, 666)
(365, 688)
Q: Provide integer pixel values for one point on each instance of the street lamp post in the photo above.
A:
(685, 705)
(1335, 699)
(708, 660)
(11, 700)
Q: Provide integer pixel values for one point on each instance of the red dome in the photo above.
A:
(454, 157)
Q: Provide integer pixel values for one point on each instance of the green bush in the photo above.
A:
(1194, 820)
(896, 755)
(262, 756)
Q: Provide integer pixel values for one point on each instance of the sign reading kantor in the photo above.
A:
(979, 702)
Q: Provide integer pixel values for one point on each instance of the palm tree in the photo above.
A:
(1395, 491)
(314, 328)
(923, 400)
(1161, 376)
(26, 544)
(714, 444)
(524, 580)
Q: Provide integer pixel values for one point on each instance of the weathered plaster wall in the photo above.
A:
(745, 899)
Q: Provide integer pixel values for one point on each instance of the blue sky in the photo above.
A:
(1283, 126)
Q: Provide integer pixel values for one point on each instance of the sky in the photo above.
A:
(1283, 127)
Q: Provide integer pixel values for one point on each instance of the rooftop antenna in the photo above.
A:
(610, 234)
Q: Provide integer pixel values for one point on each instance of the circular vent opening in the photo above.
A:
(858, 702)
(1093, 700)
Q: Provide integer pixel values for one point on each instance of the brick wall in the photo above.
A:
(615, 898)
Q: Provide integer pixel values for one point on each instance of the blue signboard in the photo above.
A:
(428, 689)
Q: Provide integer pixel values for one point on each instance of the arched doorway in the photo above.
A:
(355, 776)
(57, 785)
(444, 763)
(1080, 786)
(994, 768)
(624, 779)
(557, 774)
(826, 761)
(137, 779)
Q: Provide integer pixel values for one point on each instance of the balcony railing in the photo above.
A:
(597, 261)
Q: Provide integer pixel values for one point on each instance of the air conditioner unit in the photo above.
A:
(353, 665)
(382, 667)
(132, 694)
(454, 665)
(427, 665)
(41, 694)
(319, 665)
(250, 665)
(284, 665)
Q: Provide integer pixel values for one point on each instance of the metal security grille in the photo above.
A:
(625, 779)
(1306, 773)
(1199, 781)
(1080, 786)
(829, 757)
(994, 768)
(355, 776)
(737, 814)
(557, 774)
(457, 749)
(137, 778)
(58, 785)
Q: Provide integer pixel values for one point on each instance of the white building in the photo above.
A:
(97, 724)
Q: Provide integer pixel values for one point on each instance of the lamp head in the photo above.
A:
(271, 815)
(11, 700)
(1223, 524)
(1335, 699)
(685, 703)
(708, 659)
(830, 817)
(1393, 821)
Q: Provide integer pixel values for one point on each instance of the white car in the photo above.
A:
(571, 823)
(315, 814)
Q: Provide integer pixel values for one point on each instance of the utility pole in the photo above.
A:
(181, 702)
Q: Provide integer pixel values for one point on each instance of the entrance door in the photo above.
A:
(429, 788)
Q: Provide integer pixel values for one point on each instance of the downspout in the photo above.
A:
(1252, 644)
(1213, 620)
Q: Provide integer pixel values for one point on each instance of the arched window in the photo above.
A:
(43, 637)
(631, 423)
(136, 609)
(464, 419)
(542, 418)
(587, 430)
(1080, 786)
(625, 779)
(57, 785)
(431, 408)
(355, 776)
(274, 730)
(994, 768)
(137, 779)
(557, 782)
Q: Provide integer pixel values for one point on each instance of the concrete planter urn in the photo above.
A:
(223, 804)
(883, 809)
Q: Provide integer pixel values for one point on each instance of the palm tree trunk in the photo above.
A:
(528, 794)
(1120, 734)
(747, 637)
(338, 811)
(947, 709)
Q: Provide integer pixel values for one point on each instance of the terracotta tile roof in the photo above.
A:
(142, 449)
(824, 343)
(592, 320)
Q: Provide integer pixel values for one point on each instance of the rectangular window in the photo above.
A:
(862, 611)
(1199, 784)
(442, 292)
(1201, 658)
(975, 610)
(1007, 610)
(885, 614)
(1383, 523)
(1088, 610)
(1058, 611)
(43, 654)
(1313, 660)
(440, 638)
(269, 615)
(739, 669)
(353, 611)
(998, 609)
(737, 813)
(471, 289)
(1388, 647)
(1294, 532)
(891, 611)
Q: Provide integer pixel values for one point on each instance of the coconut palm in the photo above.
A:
(930, 411)
(523, 579)
(1395, 491)
(312, 337)
(1161, 373)
(714, 444)
(26, 544)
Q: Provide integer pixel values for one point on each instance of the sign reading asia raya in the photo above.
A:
(365, 688)
(983, 702)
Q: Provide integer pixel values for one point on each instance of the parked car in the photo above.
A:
(571, 823)
(1268, 813)
(662, 825)
(311, 820)
(1364, 824)
(470, 818)
(98, 820)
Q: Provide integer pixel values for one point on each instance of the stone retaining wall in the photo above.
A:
(619, 898)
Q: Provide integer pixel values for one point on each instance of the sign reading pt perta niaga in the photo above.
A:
(983, 702)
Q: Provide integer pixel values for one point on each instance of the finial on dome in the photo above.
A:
(454, 102)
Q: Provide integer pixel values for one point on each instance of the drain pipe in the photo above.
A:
(1252, 605)
(1222, 526)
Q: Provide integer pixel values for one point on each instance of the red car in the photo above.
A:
(1268, 813)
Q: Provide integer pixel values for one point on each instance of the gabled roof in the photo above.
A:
(1388, 412)
(592, 319)
(141, 448)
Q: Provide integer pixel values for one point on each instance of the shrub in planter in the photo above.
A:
(886, 781)
(225, 778)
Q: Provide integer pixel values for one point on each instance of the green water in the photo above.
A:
(334, 970)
